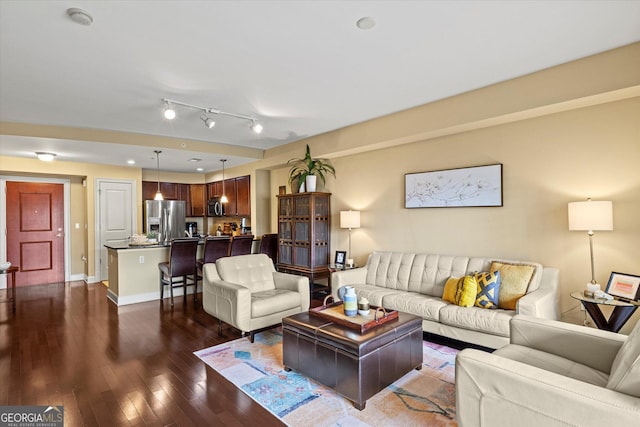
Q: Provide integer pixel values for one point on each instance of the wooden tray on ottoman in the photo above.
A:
(334, 312)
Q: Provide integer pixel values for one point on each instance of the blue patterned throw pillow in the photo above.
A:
(488, 289)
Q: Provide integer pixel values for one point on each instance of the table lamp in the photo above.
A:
(591, 216)
(350, 219)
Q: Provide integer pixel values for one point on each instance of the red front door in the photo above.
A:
(35, 231)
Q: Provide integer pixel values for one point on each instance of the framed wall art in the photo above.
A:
(462, 187)
(626, 286)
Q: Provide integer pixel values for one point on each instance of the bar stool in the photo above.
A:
(182, 264)
(241, 245)
(214, 248)
(269, 246)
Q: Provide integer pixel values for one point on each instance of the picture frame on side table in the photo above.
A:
(341, 258)
(624, 286)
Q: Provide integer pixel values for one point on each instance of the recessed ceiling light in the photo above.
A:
(199, 169)
(195, 159)
(366, 23)
(131, 162)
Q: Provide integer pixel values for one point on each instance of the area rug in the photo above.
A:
(420, 398)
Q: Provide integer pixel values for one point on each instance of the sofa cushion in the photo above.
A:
(488, 289)
(373, 293)
(389, 269)
(417, 304)
(553, 363)
(625, 370)
(495, 322)
(515, 282)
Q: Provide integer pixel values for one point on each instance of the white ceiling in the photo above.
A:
(301, 67)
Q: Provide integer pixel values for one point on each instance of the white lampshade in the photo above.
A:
(349, 219)
(591, 215)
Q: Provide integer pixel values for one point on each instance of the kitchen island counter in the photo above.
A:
(134, 273)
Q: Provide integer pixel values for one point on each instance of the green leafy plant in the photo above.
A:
(152, 235)
(301, 168)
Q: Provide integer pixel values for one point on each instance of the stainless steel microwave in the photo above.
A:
(215, 207)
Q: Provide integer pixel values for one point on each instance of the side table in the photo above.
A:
(12, 272)
(622, 311)
(337, 267)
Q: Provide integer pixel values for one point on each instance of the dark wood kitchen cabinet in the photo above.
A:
(198, 200)
(170, 190)
(238, 192)
(243, 195)
(149, 189)
(214, 189)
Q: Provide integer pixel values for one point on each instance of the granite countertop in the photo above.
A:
(124, 245)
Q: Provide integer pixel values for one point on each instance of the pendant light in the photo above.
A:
(158, 193)
(223, 199)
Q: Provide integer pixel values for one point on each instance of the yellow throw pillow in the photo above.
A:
(461, 291)
(467, 291)
(515, 280)
(450, 289)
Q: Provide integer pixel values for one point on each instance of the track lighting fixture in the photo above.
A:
(256, 127)
(208, 121)
(170, 114)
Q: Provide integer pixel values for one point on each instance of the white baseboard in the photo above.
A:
(78, 277)
(138, 298)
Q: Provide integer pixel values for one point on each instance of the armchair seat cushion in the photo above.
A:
(273, 301)
(552, 363)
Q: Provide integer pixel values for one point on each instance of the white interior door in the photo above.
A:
(116, 217)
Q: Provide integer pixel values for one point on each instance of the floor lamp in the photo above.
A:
(591, 216)
(350, 219)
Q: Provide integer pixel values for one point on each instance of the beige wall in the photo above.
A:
(78, 215)
(547, 162)
(82, 198)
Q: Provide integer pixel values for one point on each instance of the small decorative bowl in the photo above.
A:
(363, 312)
(5, 265)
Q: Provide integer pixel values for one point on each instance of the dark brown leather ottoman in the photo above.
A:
(355, 365)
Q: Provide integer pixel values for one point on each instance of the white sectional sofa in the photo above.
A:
(414, 283)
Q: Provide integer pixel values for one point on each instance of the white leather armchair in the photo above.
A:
(246, 292)
(551, 374)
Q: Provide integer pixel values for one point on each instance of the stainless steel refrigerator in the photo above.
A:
(165, 217)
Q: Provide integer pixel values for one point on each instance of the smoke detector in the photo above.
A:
(80, 16)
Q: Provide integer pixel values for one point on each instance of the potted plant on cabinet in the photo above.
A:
(305, 171)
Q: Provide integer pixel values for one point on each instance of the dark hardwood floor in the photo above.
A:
(109, 366)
